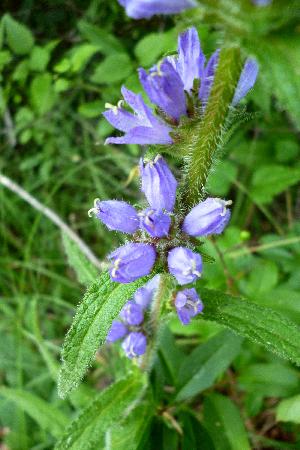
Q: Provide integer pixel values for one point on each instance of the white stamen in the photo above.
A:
(115, 267)
(114, 108)
(95, 209)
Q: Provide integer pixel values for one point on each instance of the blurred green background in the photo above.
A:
(60, 62)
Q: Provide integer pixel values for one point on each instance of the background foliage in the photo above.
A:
(60, 63)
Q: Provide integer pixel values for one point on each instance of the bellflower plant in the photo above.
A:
(161, 236)
(179, 86)
(144, 9)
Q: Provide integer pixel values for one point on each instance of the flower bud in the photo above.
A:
(132, 313)
(117, 331)
(208, 217)
(159, 184)
(131, 262)
(144, 295)
(185, 265)
(134, 344)
(188, 304)
(116, 215)
(156, 223)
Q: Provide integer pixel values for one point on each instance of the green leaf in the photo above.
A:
(195, 435)
(42, 94)
(154, 45)
(133, 431)
(261, 325)
(43, 413)
(206, 363)
(105, 41)
(81, 55)
(169, 353)
(39, 59)
(269, 379)
(91, 109)
(288, 410)
(84, 269)
(18, 36)
(271, 180)
(109, 407)
(224, 424)
(101, 304)
(113, 69)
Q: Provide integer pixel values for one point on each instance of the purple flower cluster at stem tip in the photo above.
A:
(152, 226)
(129, 325)
(144, 9)
(169, 85)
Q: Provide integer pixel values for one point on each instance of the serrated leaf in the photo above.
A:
(224, 424)
(206, 363)
(18, 36)
(43, 413)
(100, 306)
(108, 408)
(288, 410)
(84, 269)
(261, 325)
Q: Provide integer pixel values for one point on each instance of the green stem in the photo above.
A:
(207, 137)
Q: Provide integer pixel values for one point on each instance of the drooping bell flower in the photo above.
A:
(134, 344)
(262, 2)
(159, 184)
(131, 261)
(156, 223)
(185, 265)
(116, 215)
(132, 313)
(144, 9)
(188, 304)
(208, 217)
(144, 295)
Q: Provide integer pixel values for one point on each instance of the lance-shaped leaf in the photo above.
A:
(101, 304)
(261, 325)
(208, 361)
(108, 408)
(206, 138)
(47, 416)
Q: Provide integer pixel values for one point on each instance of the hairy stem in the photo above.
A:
(207, 137)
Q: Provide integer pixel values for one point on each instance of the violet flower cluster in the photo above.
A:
(178, 86)
(129, 326)
(144, 9)
(159, 236)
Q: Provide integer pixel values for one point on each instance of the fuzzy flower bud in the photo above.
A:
(117, 331)
(159, 184)
(188, 305)
(185, 265)
(144, 295)
(134, 344)
(131, 262)
(116, 215)
(132, 313)
(208, 217)
(156, 223)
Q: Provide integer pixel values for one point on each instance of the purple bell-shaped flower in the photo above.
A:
(116, 215)
(159, 184)
(132, 313)
(188, 304)
(131, 262)
(144, 295)
(117, 331)
(185, 265)
(208, 217)
(134, 344)
(156, 223)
